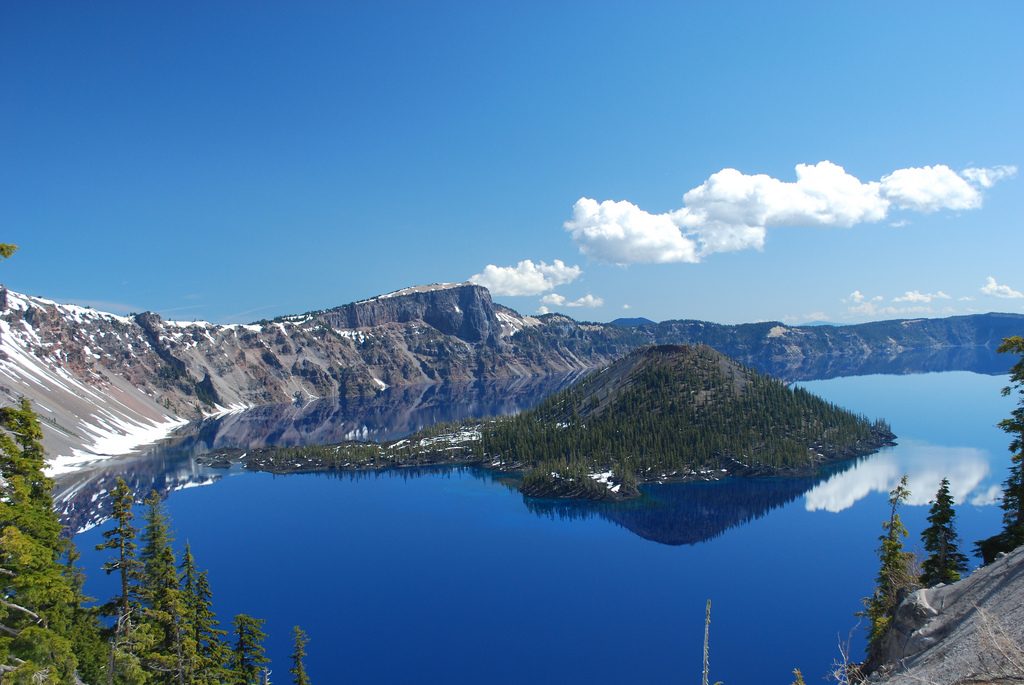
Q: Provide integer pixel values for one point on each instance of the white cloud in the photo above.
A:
(988, 497)
(622, 233)
(911, 303)
(626, 306)
(526, 278)
(823, 195)
(556, 300)
(998, 290)
(986, 177)
(918, 296)
(553, 299)
(733, 211)
(929, 189)
(587, 300)
(543, 310)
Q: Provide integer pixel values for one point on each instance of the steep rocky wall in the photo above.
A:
(971, 631)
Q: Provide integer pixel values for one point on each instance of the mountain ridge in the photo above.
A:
(104, 382)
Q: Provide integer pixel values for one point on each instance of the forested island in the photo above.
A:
(668, 412)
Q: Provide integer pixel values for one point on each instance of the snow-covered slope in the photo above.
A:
(105, 384)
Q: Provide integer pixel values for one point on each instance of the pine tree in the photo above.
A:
(211, 654)
(37, 596)
(83, 624)
(298, 669)
(248, 655)
(156, 540)
(945, 563)
(122, 539)
(1013, 490)
(173, 651)
(129, 638)
(895, 575)
(1012, 534)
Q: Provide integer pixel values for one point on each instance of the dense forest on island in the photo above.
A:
(682, 412)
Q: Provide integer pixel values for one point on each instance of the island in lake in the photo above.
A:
(667, 412)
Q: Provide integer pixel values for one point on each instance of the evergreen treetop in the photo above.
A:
(945, 562)
(895, 574)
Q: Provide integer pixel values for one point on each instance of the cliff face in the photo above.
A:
(101, 380)
(969, 632)
(462, 310)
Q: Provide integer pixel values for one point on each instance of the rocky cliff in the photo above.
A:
(969, 632)
(103, 382)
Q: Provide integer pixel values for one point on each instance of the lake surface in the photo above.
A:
(449, 575)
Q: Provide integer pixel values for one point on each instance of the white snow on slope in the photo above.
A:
(118, 421)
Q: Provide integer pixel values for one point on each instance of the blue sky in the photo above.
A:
(231, 161)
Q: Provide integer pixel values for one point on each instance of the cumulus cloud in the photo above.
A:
(918, 296)
(526, 277)
(929, 189)
(1000, 290)
(733, 211)
(988, 177)
(622, 233)
(556, 300)
(587, 300)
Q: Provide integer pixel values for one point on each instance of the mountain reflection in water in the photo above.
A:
(674, 514)
(687, 513)
(389, 415)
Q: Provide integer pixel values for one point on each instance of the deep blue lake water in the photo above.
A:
(450, 576)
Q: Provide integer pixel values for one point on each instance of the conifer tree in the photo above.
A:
(945, 563)
(172, 652)
(129, 638)
(895, 575)
(211, 654)
(37, 597)
(1012, 534)
(156, 540)
(122, 539)
(1013, 489)
(249, 655)
(83, 623)
(298, 669)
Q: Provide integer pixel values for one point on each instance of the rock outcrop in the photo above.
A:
(971, 631)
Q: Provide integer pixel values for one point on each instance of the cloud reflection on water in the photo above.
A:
(925, 465)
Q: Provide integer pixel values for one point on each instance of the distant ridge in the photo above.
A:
(105, 383)
(632, 322)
